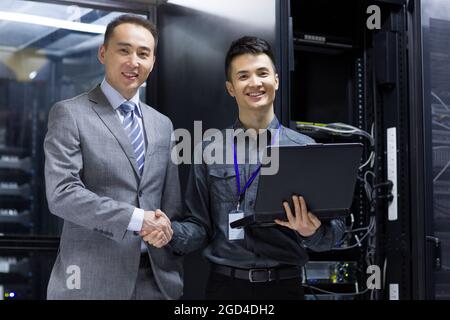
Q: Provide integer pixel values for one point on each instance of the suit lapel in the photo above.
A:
(106, 113)
(150, 133)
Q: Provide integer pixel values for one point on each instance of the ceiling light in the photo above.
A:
(51, 22)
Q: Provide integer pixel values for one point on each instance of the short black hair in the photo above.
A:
(133, 19)
(244, 45)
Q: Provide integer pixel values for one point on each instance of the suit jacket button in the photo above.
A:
(140, 193)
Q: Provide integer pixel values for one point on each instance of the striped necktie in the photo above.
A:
(134, 131)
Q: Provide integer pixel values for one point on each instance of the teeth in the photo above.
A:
(130, 74)
(255, 94)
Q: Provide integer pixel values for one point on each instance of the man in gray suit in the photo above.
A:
(107, 169)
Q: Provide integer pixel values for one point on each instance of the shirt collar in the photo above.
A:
(271, 128)
(116, 99)
(272, 125)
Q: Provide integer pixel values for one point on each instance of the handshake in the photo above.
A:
(156, 228)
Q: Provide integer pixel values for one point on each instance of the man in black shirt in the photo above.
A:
(258, 262)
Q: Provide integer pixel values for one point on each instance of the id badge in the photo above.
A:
(235, 233)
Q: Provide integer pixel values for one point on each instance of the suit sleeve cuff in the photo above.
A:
(178, 241)
(137, 219)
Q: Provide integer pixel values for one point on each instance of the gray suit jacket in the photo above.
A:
(92, 182)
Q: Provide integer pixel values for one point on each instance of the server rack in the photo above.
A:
(391, 90)
(429, 142)
(334, 64)
(22, 227)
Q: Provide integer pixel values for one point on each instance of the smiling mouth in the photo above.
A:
(256, 94)
(130, 75)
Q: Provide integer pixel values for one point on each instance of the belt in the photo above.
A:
(144, 261)
(259, 274)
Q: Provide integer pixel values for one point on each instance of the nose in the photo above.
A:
(133, 60)
(254, 81)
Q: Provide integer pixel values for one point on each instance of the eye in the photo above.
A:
(123, 50)
(143, 54)
(264, 74)
(242, 77)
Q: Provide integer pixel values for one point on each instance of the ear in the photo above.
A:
(230, 88)
(277, 81)
(153, 63)
(101, 54)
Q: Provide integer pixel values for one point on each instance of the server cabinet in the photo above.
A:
(330, 83)
(430, 219)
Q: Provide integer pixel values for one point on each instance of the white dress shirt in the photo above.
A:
(116, 100)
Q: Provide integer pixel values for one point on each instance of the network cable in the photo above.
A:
(342, 129)
(352, 294)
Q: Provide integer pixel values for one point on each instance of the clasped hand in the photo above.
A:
(156, 229)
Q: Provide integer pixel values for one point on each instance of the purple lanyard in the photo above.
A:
(240, 193)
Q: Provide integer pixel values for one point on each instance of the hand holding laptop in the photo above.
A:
(303, 221)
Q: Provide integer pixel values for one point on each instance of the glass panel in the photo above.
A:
(436, 64)
(42, 60)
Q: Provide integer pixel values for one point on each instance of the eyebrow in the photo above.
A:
(126, 44)
(246, 71)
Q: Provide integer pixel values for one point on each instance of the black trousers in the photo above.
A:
(220, 287)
